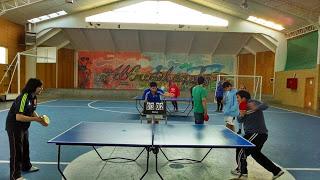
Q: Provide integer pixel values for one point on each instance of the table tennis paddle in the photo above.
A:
(206, 117)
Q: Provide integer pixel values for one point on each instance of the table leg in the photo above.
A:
(59, 169)
(148, 152)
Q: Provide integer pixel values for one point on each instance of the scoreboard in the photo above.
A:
(155, 108)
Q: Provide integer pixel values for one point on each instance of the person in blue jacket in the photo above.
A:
(219, 97)
(231, 106)
(153, 94)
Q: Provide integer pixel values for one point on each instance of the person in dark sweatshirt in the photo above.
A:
(257, 133)
(219, 97)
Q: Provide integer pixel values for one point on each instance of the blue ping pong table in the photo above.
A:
(139, 104)
(151, 137)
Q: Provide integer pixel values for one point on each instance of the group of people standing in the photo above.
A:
(226, 95)
(226, 98)
(238, 105)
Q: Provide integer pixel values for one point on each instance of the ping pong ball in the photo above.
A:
(46, 119)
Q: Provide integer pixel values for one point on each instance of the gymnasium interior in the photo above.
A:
(95, 57)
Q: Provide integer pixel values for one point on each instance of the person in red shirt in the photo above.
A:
(242, 106)
(174, 89)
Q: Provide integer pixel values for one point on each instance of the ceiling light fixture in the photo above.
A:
(48, 16)
(266, 23)
(158, 12)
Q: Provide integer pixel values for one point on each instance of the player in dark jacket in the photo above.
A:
(21, 114)
(257, 133)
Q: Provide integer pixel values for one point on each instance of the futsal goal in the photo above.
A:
(252, 84)
(12, 74)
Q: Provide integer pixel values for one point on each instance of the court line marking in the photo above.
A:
(48, 101)
(302, 169)
(208, 103)
(108, 107)
(122, 112)
(4, 110)
(100, 107)
(63, 106)
(296, 112)
(37, 162)
(279, 112)
(216, 114)
(124, 101)
(263, 111)
(38, 103)
(74, 100)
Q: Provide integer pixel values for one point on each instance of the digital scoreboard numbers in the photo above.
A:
(159, 106)
(149, 106)
(155, 108)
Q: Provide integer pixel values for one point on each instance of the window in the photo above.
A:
(3, 55)
(158, 12)
(46, 54)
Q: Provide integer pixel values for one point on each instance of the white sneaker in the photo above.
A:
(33, 169)
(278, 175)
(21, 178)
(237, 173)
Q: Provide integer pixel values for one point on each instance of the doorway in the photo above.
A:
(309, 93)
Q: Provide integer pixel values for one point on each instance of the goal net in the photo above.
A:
(252, 84)
(10, 82)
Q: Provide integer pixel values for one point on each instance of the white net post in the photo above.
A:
(14, 70)
(9, 67)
